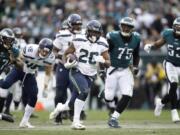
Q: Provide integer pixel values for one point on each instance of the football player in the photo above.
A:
(124, 55)
(71, 27)
(33, 56)
(171, 38)
(9, 51)
(89, 49)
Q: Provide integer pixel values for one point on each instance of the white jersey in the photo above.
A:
(86, 51)
(63, 38)
(32, 61)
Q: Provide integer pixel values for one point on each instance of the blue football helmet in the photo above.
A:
(45, 47)
(93, 30)
(74, 23)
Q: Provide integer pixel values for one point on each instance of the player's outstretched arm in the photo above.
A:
(156, 45)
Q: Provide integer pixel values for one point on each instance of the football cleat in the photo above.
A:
(56, 111)
(158, 108)
(78, 126)
(113, 123)
(7, 118)
(26, 125)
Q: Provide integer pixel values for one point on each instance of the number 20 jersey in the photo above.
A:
(32, 61)
(173, 47)
(121, 52)
(87, 51)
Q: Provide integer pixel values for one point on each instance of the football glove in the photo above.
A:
(147, 47)
(69, 64)
(135, 70)
(99, 59)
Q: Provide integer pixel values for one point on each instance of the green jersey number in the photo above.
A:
(125, 51)
(87, 56)
(172, 49)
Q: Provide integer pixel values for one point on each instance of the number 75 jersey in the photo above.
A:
(86, 53)
(173, 47)
(121, 52)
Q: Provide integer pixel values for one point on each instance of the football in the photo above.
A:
(72, 57)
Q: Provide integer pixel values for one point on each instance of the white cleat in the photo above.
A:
(158, 108)
(78, 126)
(56, 111)
(175, 116)
(26, 125)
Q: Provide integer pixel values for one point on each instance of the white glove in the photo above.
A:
(147, 47)
(69, 64)
(99, 59)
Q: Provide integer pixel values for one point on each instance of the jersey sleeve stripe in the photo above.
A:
(103, 44)
(28, 57)
(80, 39)
(67, 35)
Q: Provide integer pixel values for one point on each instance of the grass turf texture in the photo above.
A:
(133, 122)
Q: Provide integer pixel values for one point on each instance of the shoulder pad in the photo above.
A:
(63, 33)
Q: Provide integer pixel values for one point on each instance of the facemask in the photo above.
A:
(125, 34)
(77, 31)
(93, 38)
(42, 57)
(177, 32)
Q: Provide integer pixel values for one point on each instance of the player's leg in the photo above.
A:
(126, 83)
(6, 83)
(62, 82)
(82, 85)
(17, 94)
(110, 90)
(172, 75)
(31, 90)
(3, 95)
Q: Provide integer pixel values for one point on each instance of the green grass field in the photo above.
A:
(133, 122)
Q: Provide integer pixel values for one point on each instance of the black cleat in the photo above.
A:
(58, 120)
(113, 123)
(7, 118)
(83, 115)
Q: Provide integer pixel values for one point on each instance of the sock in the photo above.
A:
(78, 106)
(2, 101)
(28, 111)
(64, 107)
(0, 117)
(115, 115)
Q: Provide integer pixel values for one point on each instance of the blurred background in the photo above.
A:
(43, 18)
